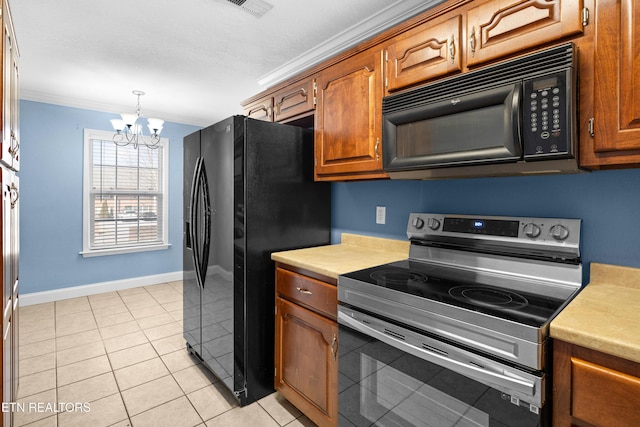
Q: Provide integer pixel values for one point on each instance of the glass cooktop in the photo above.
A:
(438, 284)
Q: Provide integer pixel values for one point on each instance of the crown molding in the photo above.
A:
(102, 107)
(394, 14)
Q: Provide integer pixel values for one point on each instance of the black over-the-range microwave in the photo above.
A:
(515, 117)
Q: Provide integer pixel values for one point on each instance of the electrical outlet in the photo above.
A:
(381, 214)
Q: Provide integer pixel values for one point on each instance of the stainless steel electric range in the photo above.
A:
(457, 334)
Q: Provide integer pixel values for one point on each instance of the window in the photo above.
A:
(125, 196)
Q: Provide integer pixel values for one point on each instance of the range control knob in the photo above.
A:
(433, 223)
(531, 230)
(559, 232)
(418, 223)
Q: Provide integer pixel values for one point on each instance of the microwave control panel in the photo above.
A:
(547, 116)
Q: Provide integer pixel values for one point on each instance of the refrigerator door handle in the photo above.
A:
(200, 209)
(206, 233)
(193, 229)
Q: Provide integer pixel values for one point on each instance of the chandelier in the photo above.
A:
(129, 131)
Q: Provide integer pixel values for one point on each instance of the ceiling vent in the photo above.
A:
(256, 8)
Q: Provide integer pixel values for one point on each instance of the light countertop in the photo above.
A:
(605, 315)
(355, 252)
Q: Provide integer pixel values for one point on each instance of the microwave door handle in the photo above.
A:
(477, 373)
(517, 116)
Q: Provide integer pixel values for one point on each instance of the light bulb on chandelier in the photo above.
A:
(129, 131)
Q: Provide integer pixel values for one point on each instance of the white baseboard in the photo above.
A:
(97, 288)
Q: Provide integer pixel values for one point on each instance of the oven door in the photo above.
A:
(393, 376)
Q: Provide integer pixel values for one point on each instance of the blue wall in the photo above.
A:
(608, 202)
(51, 202)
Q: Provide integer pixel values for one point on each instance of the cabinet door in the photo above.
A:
(617, 94)
(594, 388)
(307, 361)
(294, 100)
(431, 52)
(14, 120)
(261, 109)
(10, 134)
(7, 385)
(348, 124)
(10, 237)
(502, 27)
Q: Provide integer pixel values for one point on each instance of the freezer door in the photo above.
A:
(192, 310)
(220, 161)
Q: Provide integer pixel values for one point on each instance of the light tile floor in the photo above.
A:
(121, 355)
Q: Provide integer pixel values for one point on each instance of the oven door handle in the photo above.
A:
(477, 373)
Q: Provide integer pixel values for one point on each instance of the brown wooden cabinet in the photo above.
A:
(295, 100)
(348, 128)
(9, 214)
(425, 53)
(10, 252)
(262, 109)
(289, 103)
(455, 36)
(497, 28)
(10, 152)
(306, 343)
(615, 113)
(591, 388)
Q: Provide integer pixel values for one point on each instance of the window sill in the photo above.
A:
(120, 251)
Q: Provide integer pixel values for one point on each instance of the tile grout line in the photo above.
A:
(58, 386)
(156, 352)
(113, 374)
(159, 304)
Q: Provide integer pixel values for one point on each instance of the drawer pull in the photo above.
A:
(304, 291)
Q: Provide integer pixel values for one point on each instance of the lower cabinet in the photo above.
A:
(591, 388)
(306, 347)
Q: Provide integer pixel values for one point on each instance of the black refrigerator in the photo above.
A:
(248, 191)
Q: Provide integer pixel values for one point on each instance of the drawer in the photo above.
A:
(601, 395)
(314, 294)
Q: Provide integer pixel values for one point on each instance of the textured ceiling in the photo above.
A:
(195, 59)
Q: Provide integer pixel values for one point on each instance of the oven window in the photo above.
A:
(383, 386)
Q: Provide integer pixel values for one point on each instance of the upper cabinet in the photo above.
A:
(262, 109)
(294, 100)
(615, 125)
(10, 152)
(348, 118)
(424, 53)
(465, 38)
(289, 103)
(344, 94)
(497, 28)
